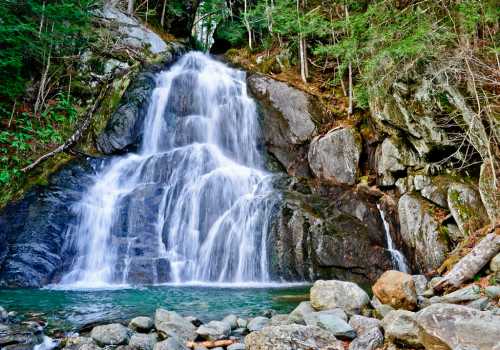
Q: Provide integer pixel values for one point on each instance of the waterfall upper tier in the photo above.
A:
(195, 203)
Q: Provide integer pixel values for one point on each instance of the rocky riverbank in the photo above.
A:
(404, 312)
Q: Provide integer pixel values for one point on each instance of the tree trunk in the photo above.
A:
(130, 8)
(162, 21)
(349, 110)
(472, 263)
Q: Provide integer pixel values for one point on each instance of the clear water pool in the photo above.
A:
(73, 309)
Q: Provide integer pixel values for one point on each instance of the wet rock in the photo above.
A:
(214, 330)
(448, 326)
(400, 327)
(338, 294)
(335, 325)
(371, 339)
(292, 337)
(110, 334)
(362, 324)
(466, 207)
(35, 227)
(420, 232)
(335, 156)
(141, 324)
(141, 341)
(194, 320)
(4, 315)
(172, 343)
(257, 323)
(288, 116)
(171, 324)
(231, 320)
(470, 293)
(396, 289)
(298, 314)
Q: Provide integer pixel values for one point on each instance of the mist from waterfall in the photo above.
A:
(194, 204)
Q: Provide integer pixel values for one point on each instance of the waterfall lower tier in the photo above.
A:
(397, 257)
(194, 204)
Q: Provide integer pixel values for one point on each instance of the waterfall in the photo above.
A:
(194, 204)
(397, 257)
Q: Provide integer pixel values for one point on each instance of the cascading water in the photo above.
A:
(397, 257)
(195, 203)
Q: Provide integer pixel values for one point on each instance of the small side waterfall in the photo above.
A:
(195, 203)
(397, 257)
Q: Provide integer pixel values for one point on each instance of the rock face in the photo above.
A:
(316, 237)
(335, 156)
(31, 251)
(393, 156)
(292, 337)
(466, 207)
(396, 289)
(445, 326)
(333, 294)
(110, 334)
(420, 232)
(288, 120)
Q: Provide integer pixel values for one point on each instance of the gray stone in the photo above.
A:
(400, 327)
(297, 315)
(280, 319)
(236, 346)
(489, 191)
(466, 207)
(242, 323)
(214, 330)
(393, 156)
(112, 64)
(480, 304)
(170, 323)
(171, 343)
(362, 324)
(420, 232)
(492, 291)
(420, 284)
(469, 293)
(257, 323)
(371, 339)
(335, 325)
(449, 326)
(435, 195)
(110, 334)
(231, 320)
(292, 337)
(495, 264)
(4, 315)
(335, 156)
(420, 181)
(142, 341)
(141, 324)
(338, 294)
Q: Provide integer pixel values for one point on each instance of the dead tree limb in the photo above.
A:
(80, 130)
(210, 343)
(472, 263)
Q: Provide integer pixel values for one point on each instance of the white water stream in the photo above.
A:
(397, 257)
(194, 205)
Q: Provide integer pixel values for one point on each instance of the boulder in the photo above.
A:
(141, 341)
(393, 157)
(420, 231)
(214, 330)
(171, 343)
(396, 289)
(141, 324)
(448, 326)
(280, 319)
(170, 323)
(298, 314)
(400, 327)
(371, 339)
(242, 323)
(236, 346)
(288, 120)
(231, 320)
(338, 294)
(420, 282)
(335, 325)
(257, 323)
(466, 207)
(292, 337)
(335, 156)
(462, 295)
(495, 264)
(110, 334)
(362, 324)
